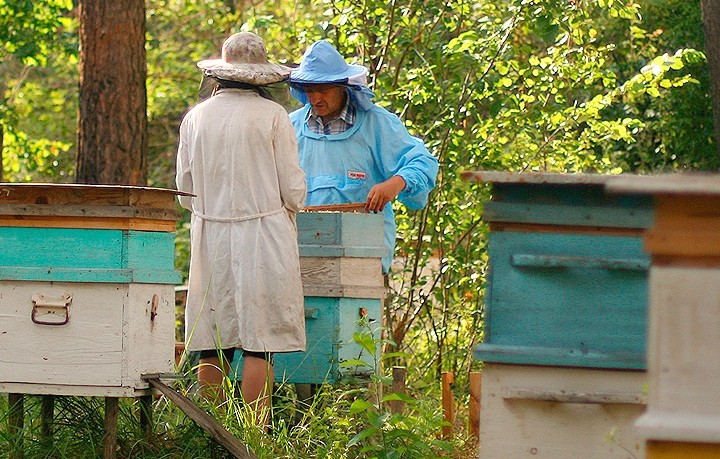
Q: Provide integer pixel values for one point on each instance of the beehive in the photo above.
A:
(682, 419)
(566, 299)
(86, 288)
(343, 285)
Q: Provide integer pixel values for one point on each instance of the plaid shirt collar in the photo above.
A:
(338, 125)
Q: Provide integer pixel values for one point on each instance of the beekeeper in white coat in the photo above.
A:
(238, 156)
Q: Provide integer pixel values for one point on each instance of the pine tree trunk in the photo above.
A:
(711, 29)
(2, 147)
(112, 124)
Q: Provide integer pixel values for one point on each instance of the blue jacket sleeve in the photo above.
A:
(404, 155)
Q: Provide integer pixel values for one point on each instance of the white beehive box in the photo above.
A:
(86, 288)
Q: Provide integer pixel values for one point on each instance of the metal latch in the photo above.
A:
(51, 311)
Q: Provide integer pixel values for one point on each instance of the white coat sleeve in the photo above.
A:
(183, 172)
(290, 177)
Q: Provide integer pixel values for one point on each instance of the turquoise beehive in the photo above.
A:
(86, 288)
(565, 314)
(343, 285)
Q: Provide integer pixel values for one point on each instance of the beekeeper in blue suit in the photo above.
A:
(351, 150)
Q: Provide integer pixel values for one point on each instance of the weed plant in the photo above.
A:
(339, 422)
(348, 420)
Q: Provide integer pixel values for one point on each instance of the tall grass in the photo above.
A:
(341, 421)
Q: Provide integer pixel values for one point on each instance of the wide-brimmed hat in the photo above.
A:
(244, 59)
(322, 63)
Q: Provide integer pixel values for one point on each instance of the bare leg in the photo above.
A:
(256, 387)
(211, 373)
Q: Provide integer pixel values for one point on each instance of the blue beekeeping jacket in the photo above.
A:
(341, 168)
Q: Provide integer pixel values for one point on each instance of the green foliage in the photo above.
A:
(38, 56)
(29, 29)
(603, 86)
(393, 435)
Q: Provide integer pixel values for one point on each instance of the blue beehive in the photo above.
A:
(565, 317)
(568, 274)
(340, 263)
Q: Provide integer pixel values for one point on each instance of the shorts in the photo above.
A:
(229, 354)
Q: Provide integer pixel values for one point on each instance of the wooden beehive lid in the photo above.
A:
(687, 183)
(356, 207)
(544, 178)
(559, 202)
(88, 206)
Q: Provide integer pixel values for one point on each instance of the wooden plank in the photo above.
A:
(145, 408)
(358, 315)
(683, 243)
(112, 408)
(688, 213)
(89, 223)
(338, 251)
(98, 276)
(567, 396)
(685, 226)
(342, 277)
(571, 357)
(358, 207)
(148, 332)
(330, 291)
(340, 229)
(522, 260)
(525, 428)
(579, 316)
(682, 450)
(565, 229)
(398, 387)
(698, 184)
(204, 421)
(16, 423)
(564, 214)
(78, 390)
(86, 351)
(549, 178)
(82, 255)
(57, 194)
(88, 211)
(474, 408)
(684, 323)
(47, 415)
(448, 404)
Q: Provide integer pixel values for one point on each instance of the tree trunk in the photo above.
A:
(2, 147)
(112, 124)
(711, 29)
(2, 137)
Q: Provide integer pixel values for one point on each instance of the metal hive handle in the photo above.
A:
(523, 260)
(51, 306)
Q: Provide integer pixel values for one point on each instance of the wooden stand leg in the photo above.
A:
(146, 419)
(16, 419)
(474, 409)
(111, 428)
(47, 414)
(305, 393)
(448, 403)
(398, 387)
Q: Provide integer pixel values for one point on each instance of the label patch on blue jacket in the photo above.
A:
(356, 175)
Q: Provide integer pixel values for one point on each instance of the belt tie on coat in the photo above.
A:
(236, 219)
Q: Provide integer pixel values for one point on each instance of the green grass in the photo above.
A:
(339, 422)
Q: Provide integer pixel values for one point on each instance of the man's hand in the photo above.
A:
(384, 192)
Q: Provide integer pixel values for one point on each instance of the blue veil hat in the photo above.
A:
(322, 63)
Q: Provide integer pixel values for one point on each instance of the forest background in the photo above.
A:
(600, 86)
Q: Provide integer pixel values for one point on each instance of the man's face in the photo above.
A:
(327, 100)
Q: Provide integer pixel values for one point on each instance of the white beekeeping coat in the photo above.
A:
(238, 155)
